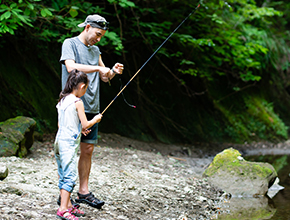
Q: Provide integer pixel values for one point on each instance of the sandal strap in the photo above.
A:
(74, 210)
(66, 214)
(90, 197)
(71, 217)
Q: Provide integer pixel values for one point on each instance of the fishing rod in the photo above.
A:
(150, 58)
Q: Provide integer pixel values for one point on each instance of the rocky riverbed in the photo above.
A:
(137, 180)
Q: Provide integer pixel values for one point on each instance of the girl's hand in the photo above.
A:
(85, 131)
(98, 118)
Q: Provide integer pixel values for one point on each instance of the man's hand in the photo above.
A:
(118, 68)
(104, 71)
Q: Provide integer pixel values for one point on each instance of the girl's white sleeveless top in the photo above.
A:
(68, 119)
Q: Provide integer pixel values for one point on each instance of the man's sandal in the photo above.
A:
(90, 199)
(66, 215)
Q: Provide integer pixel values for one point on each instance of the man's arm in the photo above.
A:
(105, 72)
(71, 64)
(109, 75)
(117, 69)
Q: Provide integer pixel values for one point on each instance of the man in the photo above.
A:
(81, 53)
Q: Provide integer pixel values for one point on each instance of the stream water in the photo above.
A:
(275, 207)
(281, 201)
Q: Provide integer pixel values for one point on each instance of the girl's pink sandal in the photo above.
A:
(76, 212)
(65, 215)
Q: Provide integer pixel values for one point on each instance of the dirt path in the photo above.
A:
(137, 180)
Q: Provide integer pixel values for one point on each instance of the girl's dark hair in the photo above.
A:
(74, 78)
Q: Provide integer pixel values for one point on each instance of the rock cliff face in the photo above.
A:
(16, 136)
(29, 80)
(230, 172)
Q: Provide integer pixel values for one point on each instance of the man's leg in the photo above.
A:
(84, 166)
(85, 161)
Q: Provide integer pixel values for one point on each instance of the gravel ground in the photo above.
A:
(137, 180)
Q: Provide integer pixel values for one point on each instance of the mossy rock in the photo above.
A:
(232, 173)
(16, 136)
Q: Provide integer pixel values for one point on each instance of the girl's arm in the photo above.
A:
(82, 116)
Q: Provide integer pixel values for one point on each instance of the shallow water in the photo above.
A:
(275, 208)
(281, 201)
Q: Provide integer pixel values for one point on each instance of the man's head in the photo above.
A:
(96, 21)
(95, 27)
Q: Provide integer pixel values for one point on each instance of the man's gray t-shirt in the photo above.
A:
(74, 49)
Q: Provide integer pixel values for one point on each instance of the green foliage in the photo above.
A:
(14, 15)
(280, 163)
(258, 120)
(237, 39)
(219, 52)
(263, 112)
(113, 39)
(123, 3)
(55, 20)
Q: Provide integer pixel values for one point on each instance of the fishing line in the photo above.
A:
(133, 106)
(150, 58)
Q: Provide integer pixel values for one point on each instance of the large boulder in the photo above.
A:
(233, 174)
(16, 136)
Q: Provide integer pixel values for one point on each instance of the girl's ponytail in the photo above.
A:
(74, 78)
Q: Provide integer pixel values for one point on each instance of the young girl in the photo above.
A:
(72, 122)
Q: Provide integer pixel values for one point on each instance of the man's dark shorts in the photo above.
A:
(92, 137)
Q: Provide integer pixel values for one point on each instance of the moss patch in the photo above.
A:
(16, 136)
(231, 161)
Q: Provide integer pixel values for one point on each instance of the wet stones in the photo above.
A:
(3, 171)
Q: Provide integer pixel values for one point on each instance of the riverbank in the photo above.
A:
(137, 180)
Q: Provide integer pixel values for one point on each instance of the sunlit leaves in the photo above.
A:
(188, 39)
(113, 39)
(73, 11)
(250, 12)
(45, 12)
(237, 30)
(53, 20)
(123, 3)
(189, 71)
(6, 15)
(19, 14)
(216, 19)
(227, 36)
